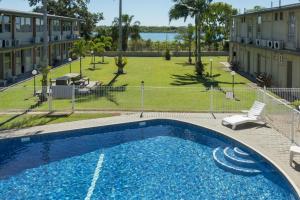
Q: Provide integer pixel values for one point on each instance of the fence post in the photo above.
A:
(293, 127)
(73, 98)
(142, 98)
(50, 100)
(211, 99)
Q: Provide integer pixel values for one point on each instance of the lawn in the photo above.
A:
(169, 86)
(29, 120)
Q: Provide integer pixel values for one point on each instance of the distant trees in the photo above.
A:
(106, 44)
(217, 21)
(130, 30)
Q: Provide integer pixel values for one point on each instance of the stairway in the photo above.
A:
(236, 161)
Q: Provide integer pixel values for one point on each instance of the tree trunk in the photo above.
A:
(190, 53)
(196, 38)
(80, 67)
(45, 53)
(199, 64)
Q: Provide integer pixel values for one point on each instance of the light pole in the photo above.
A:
(70, 61)
(34, 73)
(93, 55)
(233, 75)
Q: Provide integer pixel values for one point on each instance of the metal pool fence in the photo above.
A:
(279, 112)
(128, 98)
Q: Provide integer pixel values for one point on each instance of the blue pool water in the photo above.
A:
(161, 159)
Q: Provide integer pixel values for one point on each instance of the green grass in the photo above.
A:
(31, 120)
(169, 86)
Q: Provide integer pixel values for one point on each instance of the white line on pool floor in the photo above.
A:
(95, 177)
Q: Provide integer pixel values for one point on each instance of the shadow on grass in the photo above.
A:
(18, 121)
(186, 64)
(108, 92)
(193, 79)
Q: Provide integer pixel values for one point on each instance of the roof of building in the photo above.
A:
(18, 12)
(265, 10)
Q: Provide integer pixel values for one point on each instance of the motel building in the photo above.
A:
(268, 41)
(21, 41)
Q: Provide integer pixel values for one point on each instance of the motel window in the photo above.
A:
(292, 27)
(7, 23)
(56, 25)
(259, 21)
(276, 16)
(39, 24)
(23, 24)
(67, 26)
(76, 26)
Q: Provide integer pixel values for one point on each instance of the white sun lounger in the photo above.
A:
(253, 115)
(294, 150)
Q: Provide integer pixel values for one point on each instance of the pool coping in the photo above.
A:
(124, 119)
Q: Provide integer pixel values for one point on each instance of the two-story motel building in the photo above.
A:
(21, 41)
(268, 41)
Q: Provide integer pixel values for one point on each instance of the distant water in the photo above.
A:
(159, 36)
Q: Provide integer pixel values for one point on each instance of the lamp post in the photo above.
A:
(93, 55)
(70, 61)
(34, 73)
(233, 75)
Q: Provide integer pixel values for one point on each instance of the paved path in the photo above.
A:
(265, 140)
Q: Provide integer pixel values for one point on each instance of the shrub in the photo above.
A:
(121, 64)
(168, 55)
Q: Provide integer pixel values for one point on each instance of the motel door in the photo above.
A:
(289, 74)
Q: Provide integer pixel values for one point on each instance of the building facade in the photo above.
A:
(21, 41)
(268, 41)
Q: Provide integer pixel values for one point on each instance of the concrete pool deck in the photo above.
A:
(263, 139)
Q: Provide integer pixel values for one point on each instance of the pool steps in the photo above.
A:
(236, 161)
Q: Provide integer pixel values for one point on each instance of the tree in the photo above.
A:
(130, 30)
(105, 42)
(187, 37)
(195, 9)
(71, 8)
(217, 21)
(79, 49)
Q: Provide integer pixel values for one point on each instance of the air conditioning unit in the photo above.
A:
(258, 42)
(270, 44)
(263, 43)
(278, 45)
(16, 43)
(7, 43)
(248, 41)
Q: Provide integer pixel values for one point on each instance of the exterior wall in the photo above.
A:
(27, 54)
(271, 62)
(275, 27)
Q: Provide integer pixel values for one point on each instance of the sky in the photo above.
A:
(148, 12)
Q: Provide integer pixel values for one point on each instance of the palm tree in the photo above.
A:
(194, 9)
(79, 49)
(130, 29)
(106, 43)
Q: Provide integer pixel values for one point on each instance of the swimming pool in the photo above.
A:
(158, 159)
